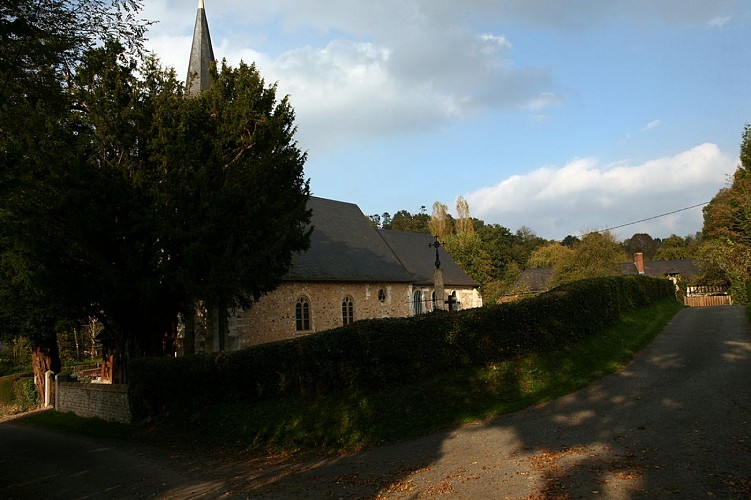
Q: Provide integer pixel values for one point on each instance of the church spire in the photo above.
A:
(201, 55)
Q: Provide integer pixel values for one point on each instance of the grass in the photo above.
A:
(355, 421)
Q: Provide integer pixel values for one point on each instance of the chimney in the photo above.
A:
(639, 262)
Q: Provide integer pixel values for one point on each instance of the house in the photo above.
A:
(537, 280)
(352, 271)
(674, 270)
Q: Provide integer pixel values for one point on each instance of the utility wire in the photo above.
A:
(654, 217)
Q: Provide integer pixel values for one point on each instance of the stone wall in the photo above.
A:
(106, 401)
(273, 317)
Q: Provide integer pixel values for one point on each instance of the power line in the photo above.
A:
(655, 217)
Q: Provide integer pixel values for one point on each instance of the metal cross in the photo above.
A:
(437, 244)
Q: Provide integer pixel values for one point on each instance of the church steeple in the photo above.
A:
(201, 55)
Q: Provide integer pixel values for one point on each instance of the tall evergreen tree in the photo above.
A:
(41, 44)
(158, 201)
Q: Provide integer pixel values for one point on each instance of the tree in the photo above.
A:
(466, 248)
(405, 221)
(551, 255)
(676, 248)
(440, 222)
(41, 44)
(596, 255)
(641, 242)
(161, 200)
(463, 220)
(726, 236)
(570, 240)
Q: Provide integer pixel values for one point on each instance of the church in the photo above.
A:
(352, 270)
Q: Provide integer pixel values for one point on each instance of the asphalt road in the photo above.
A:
(675, 423)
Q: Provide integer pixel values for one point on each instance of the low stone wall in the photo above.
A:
(106, 401)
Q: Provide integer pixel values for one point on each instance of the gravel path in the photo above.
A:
(676, 423)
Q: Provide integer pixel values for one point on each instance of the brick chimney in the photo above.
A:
(639, 262)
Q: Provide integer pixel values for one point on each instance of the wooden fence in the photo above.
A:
(707, 296)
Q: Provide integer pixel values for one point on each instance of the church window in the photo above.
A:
(348, 311)
(381, 295)
(302, 314)
(417, 301)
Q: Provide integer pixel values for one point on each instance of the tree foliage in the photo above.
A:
(726, 245)
(42, 43)
(413, 223)
(677, 248)
(142, 202)
(596, 255)
(641, 242)
(553, 254)
(440, 223)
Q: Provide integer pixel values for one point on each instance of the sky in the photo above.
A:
(563, 117)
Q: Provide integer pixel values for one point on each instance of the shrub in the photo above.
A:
(26, 394)
(373, 355)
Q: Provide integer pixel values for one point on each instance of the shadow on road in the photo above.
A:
(675, 422)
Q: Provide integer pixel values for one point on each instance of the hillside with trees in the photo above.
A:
(495, 257)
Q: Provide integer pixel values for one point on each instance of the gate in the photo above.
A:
(707, 296)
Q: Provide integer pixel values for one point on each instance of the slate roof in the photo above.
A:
(201, 55)
(344, 247)
(418, 257)
(661, 268)
(533, 280)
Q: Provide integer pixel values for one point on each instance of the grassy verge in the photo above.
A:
(356, 421)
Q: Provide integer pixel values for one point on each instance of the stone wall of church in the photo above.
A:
(273, 316)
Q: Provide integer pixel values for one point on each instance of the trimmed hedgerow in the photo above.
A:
(373, 355)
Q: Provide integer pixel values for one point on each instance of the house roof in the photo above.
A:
(536, 279)
(661, 268)
(345, 247)
(533, 280)
(418, 257)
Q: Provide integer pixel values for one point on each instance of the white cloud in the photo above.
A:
(390, 67)
(651, 125)
(394, 66)
(719, 21)
(584, 195)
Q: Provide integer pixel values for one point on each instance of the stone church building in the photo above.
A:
(352, 270)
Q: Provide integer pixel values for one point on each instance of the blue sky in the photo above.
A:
(561, 116)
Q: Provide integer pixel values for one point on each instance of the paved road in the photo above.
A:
(676, 423)
(39, 464)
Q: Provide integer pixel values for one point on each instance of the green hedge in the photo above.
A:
(18, 390)
(373, 355)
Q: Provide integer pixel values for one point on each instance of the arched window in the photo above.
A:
(381, 295)
(417, 299)
(302, 314)
(432, 301)
(348, 311)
